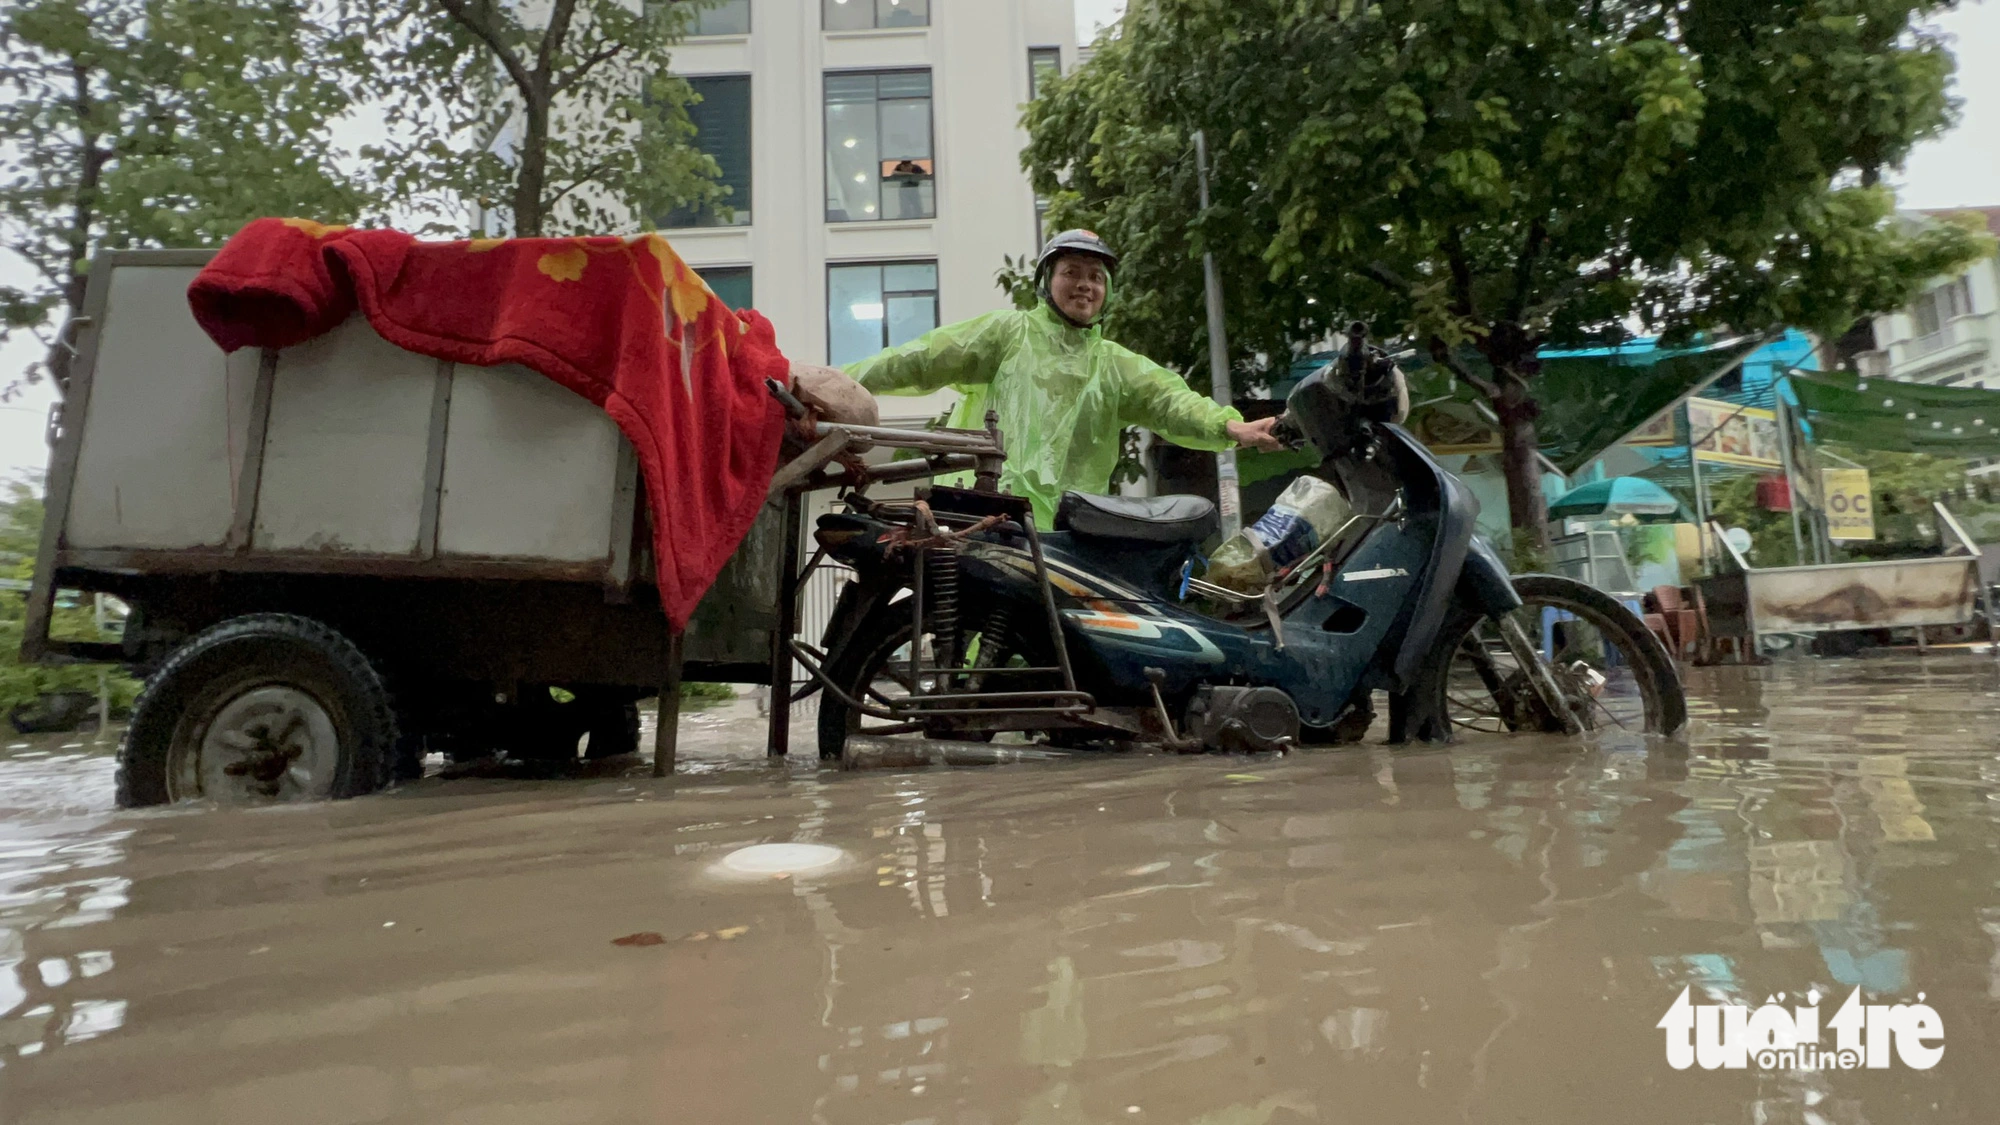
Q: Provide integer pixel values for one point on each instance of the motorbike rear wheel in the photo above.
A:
(1613, 674)
(874, 669)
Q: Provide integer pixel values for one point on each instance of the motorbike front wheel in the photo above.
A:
(1612, 674)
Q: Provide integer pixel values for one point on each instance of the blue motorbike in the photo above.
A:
(963, 620)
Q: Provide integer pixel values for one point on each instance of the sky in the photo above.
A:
(1961, 169)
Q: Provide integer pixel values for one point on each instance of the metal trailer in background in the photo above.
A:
(1952, 589)
(474, 534)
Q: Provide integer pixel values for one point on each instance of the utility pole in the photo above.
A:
(1700, 493)
(1785, 459)
(103, 674)
(1228, 496)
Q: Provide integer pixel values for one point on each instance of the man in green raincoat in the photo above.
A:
(1063, 392)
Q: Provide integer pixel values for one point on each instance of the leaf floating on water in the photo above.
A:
(644, 937)
(732, 932)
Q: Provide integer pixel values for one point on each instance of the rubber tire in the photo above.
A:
(242, 652)
(614, 730)
(878, 636)
(1421, 714)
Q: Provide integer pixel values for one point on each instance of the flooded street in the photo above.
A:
(1486, 933)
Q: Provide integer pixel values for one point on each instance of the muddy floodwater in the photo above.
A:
(1492, 932)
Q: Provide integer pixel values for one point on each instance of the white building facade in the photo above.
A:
(1950, 335)
(872, 149)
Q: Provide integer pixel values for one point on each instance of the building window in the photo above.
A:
(1957, 297)
(1936, 308)
(1044, 63)
(867, 15)
(722, 130)
(729, 17)
(729, 283)
(878, 146)
(878, 305)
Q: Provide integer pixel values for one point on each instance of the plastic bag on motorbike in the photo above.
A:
(1306, 513)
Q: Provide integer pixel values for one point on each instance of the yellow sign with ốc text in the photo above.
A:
(1850, 504)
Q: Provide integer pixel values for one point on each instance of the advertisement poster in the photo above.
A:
(1454, 427)
(1729, 434)
(1658, 431)
(1850, 505)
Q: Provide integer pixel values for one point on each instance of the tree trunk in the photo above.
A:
(1520, 450)
(528, 188)
(90, 175)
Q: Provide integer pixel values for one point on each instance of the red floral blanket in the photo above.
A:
(621, 321)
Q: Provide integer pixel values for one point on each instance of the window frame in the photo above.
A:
(749, 272)
(749, 22)
(884, 293)
(875, 20)
(1034, 80)
(749, 155)
(826, 141)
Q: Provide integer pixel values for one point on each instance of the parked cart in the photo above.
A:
(341, 556)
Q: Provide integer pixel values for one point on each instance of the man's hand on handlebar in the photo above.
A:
(1256, 435)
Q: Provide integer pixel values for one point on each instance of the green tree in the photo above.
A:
(1493, 176)
(129, 123)
(559, 118)
(22, 684)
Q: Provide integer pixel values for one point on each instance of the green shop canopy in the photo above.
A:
(1876, 413)
(1591, 399)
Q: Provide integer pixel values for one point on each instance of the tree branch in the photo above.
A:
(586, 66)
(552, 38)
(486, 33)
(1441, 354)
(588, 175)
(1524, 269)
(1386, 277)
(1461, 272)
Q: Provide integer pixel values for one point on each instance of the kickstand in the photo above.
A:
(1271, 613)
(1173, 739)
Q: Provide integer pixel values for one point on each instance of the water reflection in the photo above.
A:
(1488, 932)
(59, 871)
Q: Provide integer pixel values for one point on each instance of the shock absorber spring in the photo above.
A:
(941, 575)
(995, 646)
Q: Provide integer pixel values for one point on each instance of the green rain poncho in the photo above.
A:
(1063, 393)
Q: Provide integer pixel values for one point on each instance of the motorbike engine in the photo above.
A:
(1243, 720)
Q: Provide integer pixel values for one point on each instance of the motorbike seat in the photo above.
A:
(1140, 519)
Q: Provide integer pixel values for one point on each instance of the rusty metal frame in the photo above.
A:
(1756, 581)
(943, 451)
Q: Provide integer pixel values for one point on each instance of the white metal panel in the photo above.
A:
(344, 452)
(530, 469)
(1872, 595)
(163, 435)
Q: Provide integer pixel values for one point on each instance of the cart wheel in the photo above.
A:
(267, 707)
(614, 730)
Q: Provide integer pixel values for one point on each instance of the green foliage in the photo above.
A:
(20, 538)
(1503, 173)
(1529, 555)
(693, 692)
(131, 123)
(1905, 485)
(1016, 278)
(1733, 503)
(569, 124)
